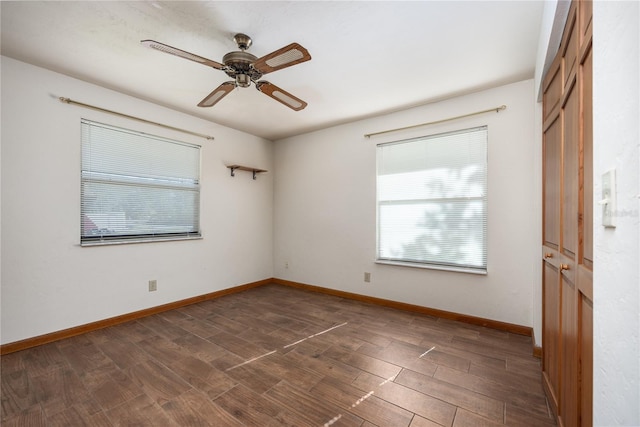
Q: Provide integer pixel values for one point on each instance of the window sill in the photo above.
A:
(137, 241)
(433, 267)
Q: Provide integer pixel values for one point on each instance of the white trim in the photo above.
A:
(433, 267)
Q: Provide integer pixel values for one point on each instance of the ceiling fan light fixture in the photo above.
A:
(243, 80)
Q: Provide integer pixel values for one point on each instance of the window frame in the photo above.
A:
(89, 176)
(430, 264)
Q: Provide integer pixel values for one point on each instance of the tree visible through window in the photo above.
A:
(136, 186)
(432, 200)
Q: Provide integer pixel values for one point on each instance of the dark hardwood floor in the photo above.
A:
(278, 356)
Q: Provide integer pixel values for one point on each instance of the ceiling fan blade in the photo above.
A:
(287, 56)
(217, 94)
(280, 95)
(181, 53)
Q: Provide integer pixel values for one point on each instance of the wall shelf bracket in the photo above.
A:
(254, 171)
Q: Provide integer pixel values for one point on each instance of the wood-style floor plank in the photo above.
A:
(308, 406)
(200, 348)
(30, 417)
(363, 362)
(276, 356)
(466, 418)
(76, 415)
(324, 365)
(533, 403)
(487, 407)
(402, 354)
(157, 381)
(139, 411)
(202, 376)
(296, 374)
(418, 421)
(111, 387)
(248, 407)
(365, 405)
(428, 407)
(192, 408)
(18, 389)
(515, 416)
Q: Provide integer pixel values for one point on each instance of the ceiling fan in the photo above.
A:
(245, 68)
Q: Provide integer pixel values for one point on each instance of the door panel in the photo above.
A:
(570, 117)
(553, 89)
(585, 14)
(569, 355)
(567, 229)
(569, 45)
(552, 162)
(587, 156)
(551, 226)
(585, 312)
(551, 325)
(585, 267)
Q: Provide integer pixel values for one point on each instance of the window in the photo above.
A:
(137, 187)
(432, 201)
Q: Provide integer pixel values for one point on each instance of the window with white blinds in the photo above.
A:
(137, 187)
(432, 201)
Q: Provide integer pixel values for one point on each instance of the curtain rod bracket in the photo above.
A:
(496, 109)
(104, 110)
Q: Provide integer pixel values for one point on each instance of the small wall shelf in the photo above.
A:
(255, 171)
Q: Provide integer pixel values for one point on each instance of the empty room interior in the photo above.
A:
(431, 218)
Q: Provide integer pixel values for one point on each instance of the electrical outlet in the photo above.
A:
(286, 265)
(153, 285)
(367, 277)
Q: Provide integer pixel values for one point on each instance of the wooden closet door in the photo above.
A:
(567, 246)
(568, 253)
(551, 290)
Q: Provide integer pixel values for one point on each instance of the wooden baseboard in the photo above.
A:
(83, 329)
(494, 324)
(537, 351)
(112, 321)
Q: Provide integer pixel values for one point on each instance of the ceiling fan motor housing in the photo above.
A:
(239, 67)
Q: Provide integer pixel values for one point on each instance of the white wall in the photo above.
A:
(49, 282)
(325, 212)
(616, 293)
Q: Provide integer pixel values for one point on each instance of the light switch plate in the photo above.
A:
(608, 201)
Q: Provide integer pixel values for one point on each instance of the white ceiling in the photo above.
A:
(368, 57)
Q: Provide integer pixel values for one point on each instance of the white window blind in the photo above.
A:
(136, 186)
(432, 200)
